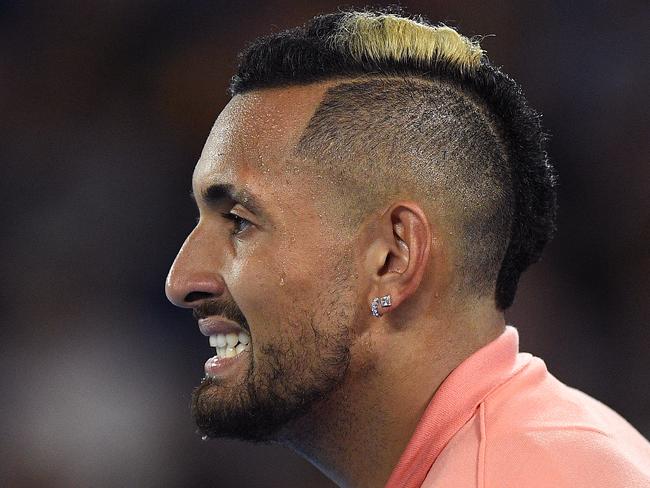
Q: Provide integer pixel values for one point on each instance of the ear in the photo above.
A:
(398, 254)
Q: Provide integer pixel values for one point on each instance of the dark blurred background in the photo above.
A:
(104, 110)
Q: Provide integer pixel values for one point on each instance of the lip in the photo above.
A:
(225, 367)
(216, 325)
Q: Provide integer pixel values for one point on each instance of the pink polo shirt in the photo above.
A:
(501, 420)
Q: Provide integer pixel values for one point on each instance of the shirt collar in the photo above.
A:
(454, 403)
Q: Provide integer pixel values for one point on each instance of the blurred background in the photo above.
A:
(104, 108)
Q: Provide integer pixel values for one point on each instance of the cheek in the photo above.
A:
(273, 288)
(266, 287)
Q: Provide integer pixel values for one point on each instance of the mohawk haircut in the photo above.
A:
(420, 112)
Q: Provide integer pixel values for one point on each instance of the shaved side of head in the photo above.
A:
(380, 139)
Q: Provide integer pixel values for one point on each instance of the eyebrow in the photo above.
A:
(217, 193)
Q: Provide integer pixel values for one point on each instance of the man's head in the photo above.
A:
(386, 156)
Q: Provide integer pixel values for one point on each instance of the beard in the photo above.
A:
(285, 380)
(282, 387)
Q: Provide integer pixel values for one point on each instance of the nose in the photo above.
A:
(193, 276)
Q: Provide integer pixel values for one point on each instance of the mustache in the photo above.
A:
(228, 310)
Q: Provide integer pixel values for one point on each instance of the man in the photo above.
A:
(368, 200)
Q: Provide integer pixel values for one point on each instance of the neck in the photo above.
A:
(357, 435)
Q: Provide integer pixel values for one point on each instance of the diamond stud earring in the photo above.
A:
(374, 305)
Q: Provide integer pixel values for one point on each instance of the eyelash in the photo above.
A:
(236, 219)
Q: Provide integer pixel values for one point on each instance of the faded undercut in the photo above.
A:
(420, 113)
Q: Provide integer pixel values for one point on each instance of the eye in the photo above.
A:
(238, 221)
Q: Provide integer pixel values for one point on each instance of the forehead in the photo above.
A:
(251, 143)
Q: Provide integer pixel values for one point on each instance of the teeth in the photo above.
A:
(229, 352)
(218, 340)
(221, 340)
(229, 345)
(232, 339)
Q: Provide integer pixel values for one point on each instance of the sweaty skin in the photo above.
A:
(296, 277)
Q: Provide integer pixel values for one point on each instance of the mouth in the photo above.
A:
(231, 343)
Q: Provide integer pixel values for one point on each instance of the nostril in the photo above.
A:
(196, 295)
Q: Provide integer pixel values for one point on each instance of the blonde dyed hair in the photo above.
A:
(387, 37)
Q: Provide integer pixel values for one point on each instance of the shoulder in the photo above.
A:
(563, 457)
(539, 432)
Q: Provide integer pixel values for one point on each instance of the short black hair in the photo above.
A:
(494, 142)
